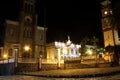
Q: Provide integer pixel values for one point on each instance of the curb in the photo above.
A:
(74, 76)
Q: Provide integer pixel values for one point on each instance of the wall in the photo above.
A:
(27, 67)
(6, 69)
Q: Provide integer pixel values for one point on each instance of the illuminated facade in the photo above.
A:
(24, 36)
(66, 50)
(110, 33)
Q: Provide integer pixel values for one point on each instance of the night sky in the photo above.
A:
(76, 18)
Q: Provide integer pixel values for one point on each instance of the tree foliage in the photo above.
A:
(116, 52)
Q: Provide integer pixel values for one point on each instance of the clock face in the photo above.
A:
(28, 19)
(105, 12)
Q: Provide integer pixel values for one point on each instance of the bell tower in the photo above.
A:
(110, 34)
(28, 26)
(28, 14)
(29, 6)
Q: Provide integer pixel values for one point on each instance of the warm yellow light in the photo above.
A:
(56, 43)
(89, 52)
(64, 51)
(105, 12)
(27, 48)
(5, 56)
(59, 58)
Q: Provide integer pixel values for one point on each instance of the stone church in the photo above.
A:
(24, 37)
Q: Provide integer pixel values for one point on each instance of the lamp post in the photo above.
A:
(40, 63)
(5, 56)
(65, 53)
(59, 46)
(26, 48)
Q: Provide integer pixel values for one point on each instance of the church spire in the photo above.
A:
(68, 42)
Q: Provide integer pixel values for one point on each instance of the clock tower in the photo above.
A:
(110, 33)
(107, 28)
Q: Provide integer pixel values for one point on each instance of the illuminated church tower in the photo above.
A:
(31, 35)
(110, 33)
(28, 24)
(24, 37)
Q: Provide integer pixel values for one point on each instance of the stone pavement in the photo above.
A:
(75, 73)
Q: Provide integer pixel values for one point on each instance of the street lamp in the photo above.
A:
(89, 52)
(5, 56)
(27, 48)
(64, 53)
(59, 45)
(40, 63)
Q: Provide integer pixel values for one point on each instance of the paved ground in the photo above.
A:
(75, 73)
(111, 73)
(21, 77)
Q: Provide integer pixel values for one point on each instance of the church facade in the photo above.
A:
(24, 37)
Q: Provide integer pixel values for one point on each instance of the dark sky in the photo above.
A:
(76, 18)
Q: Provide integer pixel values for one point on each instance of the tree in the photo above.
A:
(116, 51)
(94, 41)
(109, 49)
(83, 44)
(116, 55)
